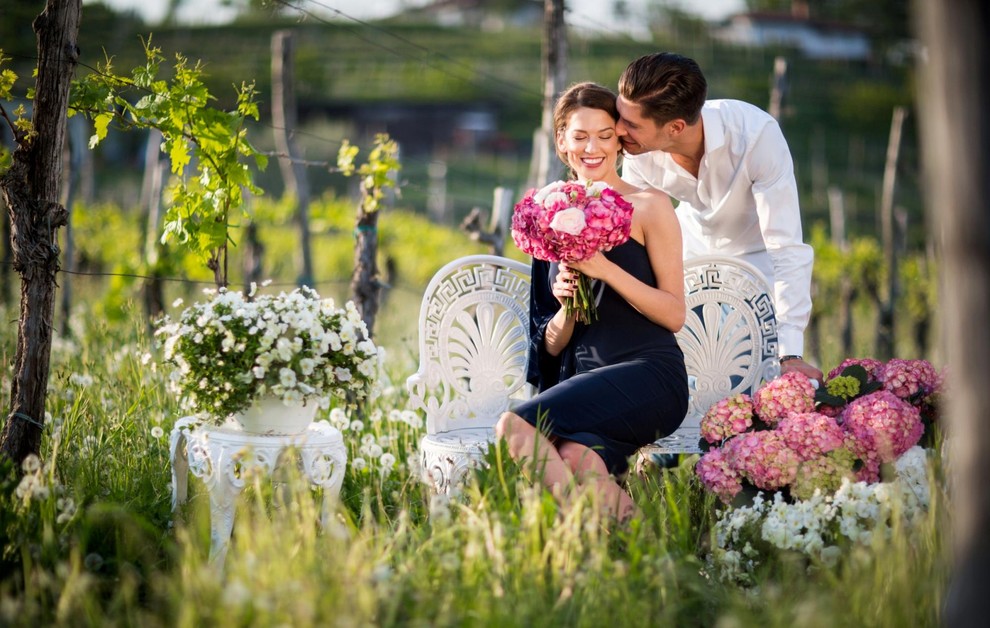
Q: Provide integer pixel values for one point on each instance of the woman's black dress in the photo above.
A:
(620, 383)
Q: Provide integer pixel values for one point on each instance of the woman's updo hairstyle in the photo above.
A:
(581, 95)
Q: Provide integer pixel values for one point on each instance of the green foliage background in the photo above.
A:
(836, 116)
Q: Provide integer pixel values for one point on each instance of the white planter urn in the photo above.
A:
(274, 416)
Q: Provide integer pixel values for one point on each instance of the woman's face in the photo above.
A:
(589, 143)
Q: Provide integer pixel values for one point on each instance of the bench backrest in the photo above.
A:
(729, 339)
(473, 343)
(474, 338)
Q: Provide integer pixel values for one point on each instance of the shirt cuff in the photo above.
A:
(790, 342)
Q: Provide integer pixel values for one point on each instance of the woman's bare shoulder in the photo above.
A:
(651, 200)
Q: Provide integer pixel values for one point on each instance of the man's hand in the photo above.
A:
(800, 366)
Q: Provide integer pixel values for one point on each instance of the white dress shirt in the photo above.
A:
(743, 203)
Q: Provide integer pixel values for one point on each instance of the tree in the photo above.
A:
(200, 139)
(377, 175)
(953, 93)
(208, 150)
(31, 187)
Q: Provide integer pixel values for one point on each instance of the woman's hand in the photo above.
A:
(597, 266)
(565, 283)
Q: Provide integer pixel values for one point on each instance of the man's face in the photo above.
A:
(639, 134)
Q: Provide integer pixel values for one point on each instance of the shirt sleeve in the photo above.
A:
(776, 196)
(543, 369)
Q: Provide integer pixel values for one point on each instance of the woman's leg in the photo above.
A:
(589, 468)
(527, 445)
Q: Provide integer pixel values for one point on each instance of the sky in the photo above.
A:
(200, 11)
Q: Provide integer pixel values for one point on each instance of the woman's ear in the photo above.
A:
(559, 140)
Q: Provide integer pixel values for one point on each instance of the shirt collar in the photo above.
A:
(711, 120)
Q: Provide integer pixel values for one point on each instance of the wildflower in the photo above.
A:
(387, 461)
(31, 463)
(236, 594)
(157, 432)
(93, 561)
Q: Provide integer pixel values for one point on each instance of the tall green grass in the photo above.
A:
(499, 552)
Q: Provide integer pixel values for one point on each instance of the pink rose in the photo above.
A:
(570, 221)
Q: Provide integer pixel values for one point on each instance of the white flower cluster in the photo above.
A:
(38, 484)
(230, 350)
(372, 452)
(820, 526)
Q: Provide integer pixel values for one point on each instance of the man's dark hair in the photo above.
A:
(666, 85)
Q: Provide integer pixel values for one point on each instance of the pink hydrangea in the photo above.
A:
(763, 459)
(908, 378)
(824, 472)
(882, 425)
(869, 472)
(873, 368)
(789, 393)
(810, 434)
(718, 476)
(829, 411)
(728, 417)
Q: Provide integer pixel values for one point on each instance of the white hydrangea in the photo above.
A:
(822, 525)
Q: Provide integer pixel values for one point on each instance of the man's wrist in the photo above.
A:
(788, 358)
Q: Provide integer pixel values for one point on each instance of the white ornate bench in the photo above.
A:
(729, 340)
(473, 343)
(474, 337)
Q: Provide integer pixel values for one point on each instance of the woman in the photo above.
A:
(618, 383)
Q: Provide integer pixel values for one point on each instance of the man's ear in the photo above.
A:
(676, 127)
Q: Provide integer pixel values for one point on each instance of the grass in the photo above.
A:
(498, 553)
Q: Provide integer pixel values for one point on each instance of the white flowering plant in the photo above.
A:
(229, 351)
(822, 527)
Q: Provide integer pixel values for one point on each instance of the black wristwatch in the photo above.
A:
(787, 358)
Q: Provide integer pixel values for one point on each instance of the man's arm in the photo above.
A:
(776, 196)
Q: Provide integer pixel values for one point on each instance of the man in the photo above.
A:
(728, 165)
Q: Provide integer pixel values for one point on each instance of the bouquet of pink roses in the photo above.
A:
(569, 221)
(788, 436)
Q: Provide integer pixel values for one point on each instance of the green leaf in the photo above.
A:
(829, 400)
(7, 80)
(872, 387)
(857, 371)
(179, 154)
(100, 125)
(345, 158)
